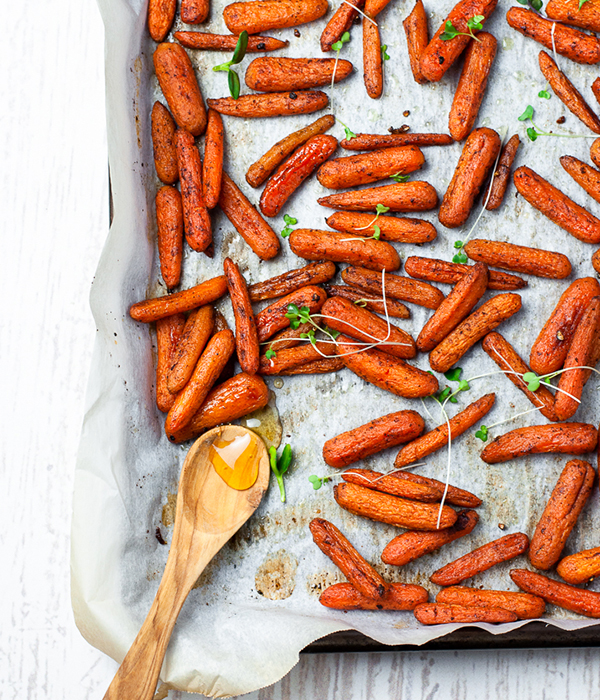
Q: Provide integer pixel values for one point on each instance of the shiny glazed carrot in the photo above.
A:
(401, 197)
(340, 22)
(524, 605)
(271, 104)
(568, 597)
(583, 174)
(596, 261)
(573, 12)
(391, 228)
(290, 358)
(417, 38)
(203, 293)
(287, 338)
(212, 173)
(444, 613)
(279, 74)
(163, 142)
(580, 567)
(388, 483)
(372, 59)
(501, 175)
(324, 365)
(227, 42)
(368, 142)
(454, 495)
(246, 337)
(397, 287)
(391, 307)
(263, 15)
(194, 11)
(168, 334)
(273, 318)
(450, 273)
(161, 14)
(518, 258)
(288, 282)
(169, 220)
(399, 596)
(196, 333)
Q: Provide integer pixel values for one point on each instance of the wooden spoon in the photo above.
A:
(208, 513)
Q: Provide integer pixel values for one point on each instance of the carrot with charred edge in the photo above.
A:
(454, 495)
(227, 42)
(198, 329)
(568, 597)
(596, 89)
(393, 308)
(417, 38)
(246, 338)
(340, 22)
(440, 55)
(501, 175)
(583, 174)
(385, 371)
(368, 142)
(399, 596)
(169, 220)
(344, 316)
(203, 293)
(584, 352)
(272, 318)
(364, 168)
(524, 605)
(357, 570)
(396, 287)
(412, 545)
(385, 508)
(292, 172)
(476, 160)
(387, 483)
(168, 334)
(450, 273)
(568, 498)
(212, 173)
(455, 307)
(287, 338)
(403, 196)
(483, 320)
(372, 59)
(571, 43)
(163, 143)
(279, 74)
(510, 362)
(438, 437)
(214, 358)
(580, 567)
(567, 438)
(519, 258)
(324, 365)
(161, 14)
(444, 613)
(568, 93)
(313, 244)
(294, 357)
(264, 15)
(557, 206)
(271, 104)
(247, 221)
(197, 227)
(259, 171)
(287, 282)
(470, 90)
(178, 83)
(481, 559)
(586, 16)
(194, 11)
(236, 397)
(391, 228)
(595, 152)
(551, 347)
(371, 438)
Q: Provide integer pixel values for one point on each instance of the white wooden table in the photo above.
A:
(54, 208)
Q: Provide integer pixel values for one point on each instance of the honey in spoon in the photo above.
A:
(235, 461)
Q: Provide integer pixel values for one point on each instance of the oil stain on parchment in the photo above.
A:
(168, 511)
(275, 578)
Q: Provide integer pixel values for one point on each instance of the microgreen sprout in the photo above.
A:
(238, 55)
(451, 32)
(289, 222)
(318, 481)
(582, 3)
(349, 133)
(534, 131)
(544, 94)
(280, 466)
(482, 433)
(270, 354)
(384, 53)
(337, 47)
(461, 256)
(397, 177)
(535, 4)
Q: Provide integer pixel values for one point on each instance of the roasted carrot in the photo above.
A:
(287, 338)
(454, 495)
(514, 367)
(583, 174)
(290, 358)
(246, 338)
(271, 104)
(324, 365)
(386, 371)
(163, 143)
(259, 171)
(596, 89)
(212, 173)
(273, 318)
(368, 142)
(362, 169)
(372, 59)
(524, 605)
(481, 559)
(444, 613)
(340, 22)
(438, 437)
(567, 92)
(397, 287)
(168, 334)
(293, 171)
(279, 74)
(501, 175)
(450, 273)
(196, 333)
(161, 14)
(568, 438)
(247, 221)
(391, 307)
(580, 567)
(371, 438)
(596, 261)
(263, 15)
(455, 307)
(518, 258)
(586, 15)
(178, 83)
(388, 483)
(411, 545)
(314, 244)
(417, 38)
(550, 349)
(476, 161)
(568, 597)
(227, 42)
(385, 508)
(169, 220)
(203, 293)
(484, 319)
(391, 228)
(357, 570)
(399, 596)
(194, 11)
(564, 506)
(571, 43)
(470, 90)
(287, 282)
(401, 197)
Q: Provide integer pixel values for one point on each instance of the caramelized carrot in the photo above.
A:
(279, 74)
(246, 338)
(168, 334)
(368, 142)
(163, 142)
(196, 222)
(388, 483)
(417, 38)
(169, 220)
(161, 14)
(444, 613)
(212, 173)
(501, 175)
(196, 333)
(291, 358)
(372, 59)
(227, 42)
(454, 495)
(524, 605)
(580, 567)
(194, 11)
(518, 258)
(391, 307)
(450, 273)
(288, 282)
(401, 197)
(271, 104)
(264, 15)
(391, 228)
(399, 596)
(568, 597)
(273, 318)
(340, 22)
(397, 287)
(583, 174)
(586, 15)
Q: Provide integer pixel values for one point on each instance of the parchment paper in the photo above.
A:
(257, 605)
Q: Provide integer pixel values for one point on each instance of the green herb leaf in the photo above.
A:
(536, 4)
(332, 333)
(234, 84)
(345, 38)
(270, 354)
(460, 258)
(482, 433)
(532, 133)
(280, 467)
(463, 385)
(533, 381)
(544, 94)
(349, 133)
(443, 395)
(527, 114)
(476, 22)
(381, 209)
(285, 460)
(377, 232)
(290, 220)
(582, 3)
(361, 302)
(315, 481)
(453, 375)
(222, 66)
(292, 309)
(384, 54)
(240, 48)
(449, 33)
(400, 178)
(458, 244)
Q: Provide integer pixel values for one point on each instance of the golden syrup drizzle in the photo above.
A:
(235, 461)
